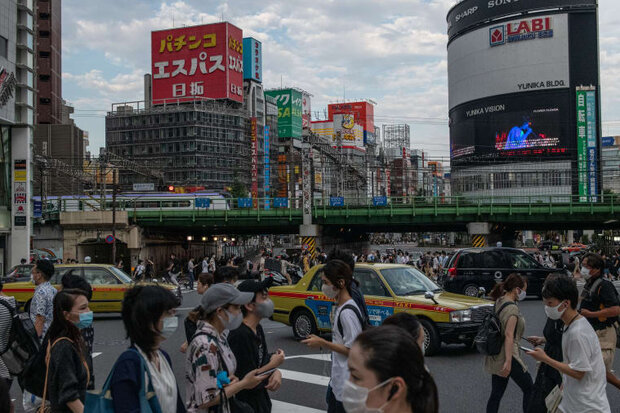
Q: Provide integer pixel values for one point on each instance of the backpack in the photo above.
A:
(22, 344)
(489, 339)
(363, 322)
(596, 287)
(358, 297)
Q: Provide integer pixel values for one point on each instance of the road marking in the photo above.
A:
(305, 377)
(95, 354)
(320, 357)
(283, 407)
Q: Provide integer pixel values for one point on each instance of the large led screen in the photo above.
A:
(519, 127)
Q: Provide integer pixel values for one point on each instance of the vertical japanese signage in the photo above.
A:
(252, 59)
(20, 192)
(267, 167)
(289, 112)
(254, 140)
(197, 62)
(586, 144)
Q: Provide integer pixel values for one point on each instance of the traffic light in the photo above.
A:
(170, 188)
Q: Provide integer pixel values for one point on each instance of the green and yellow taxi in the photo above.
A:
(388, 289)
(108, 282)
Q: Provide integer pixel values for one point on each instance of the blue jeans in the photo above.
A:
(190, 275)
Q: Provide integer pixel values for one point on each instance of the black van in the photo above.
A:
(472, 268)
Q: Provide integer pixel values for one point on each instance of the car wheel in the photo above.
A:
(303, 323)
(432, 341)
(471, 290)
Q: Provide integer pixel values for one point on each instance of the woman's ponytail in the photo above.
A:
(511, 282)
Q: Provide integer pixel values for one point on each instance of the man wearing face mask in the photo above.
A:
(250, 347)
(582, 366)
(599, 304)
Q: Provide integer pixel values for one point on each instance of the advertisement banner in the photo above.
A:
(306, 110)
(473, 12)
(521, 55)
(203, 61)
(267, 167)
(289, 112)
(254, 142)
(592, 139)
(610, 141)
(364, 113)
(347, 133)
(582, 146)
(252, 59)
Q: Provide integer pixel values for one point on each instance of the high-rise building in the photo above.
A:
(610, 163)
(48, 39)
(16, 129)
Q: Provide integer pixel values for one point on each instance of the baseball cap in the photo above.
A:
(255, 286)
(221, 294)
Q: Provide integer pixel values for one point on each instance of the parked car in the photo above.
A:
(472, 268)
(108, 282)
(18, 273)
(388, 289)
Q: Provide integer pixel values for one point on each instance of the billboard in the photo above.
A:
(254, 141)
(267, 166)
(289, 111)
(587, 153)
(203, 61)
(520, 55)
(517, 127)
(470, 13)
(364, 113)
(607, 141)
(306, 110)
(252, 59)
(347, 134)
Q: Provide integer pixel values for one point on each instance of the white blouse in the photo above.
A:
(164, 382)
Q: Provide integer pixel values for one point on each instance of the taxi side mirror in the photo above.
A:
(429, 295)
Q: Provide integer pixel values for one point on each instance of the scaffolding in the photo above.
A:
(396, 136)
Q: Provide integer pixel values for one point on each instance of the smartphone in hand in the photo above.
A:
(266, 373)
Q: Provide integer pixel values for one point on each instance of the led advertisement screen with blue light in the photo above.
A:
(519, 127)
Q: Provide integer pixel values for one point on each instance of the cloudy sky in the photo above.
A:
(391, 51)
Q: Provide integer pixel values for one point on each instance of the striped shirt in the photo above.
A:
(5, 330)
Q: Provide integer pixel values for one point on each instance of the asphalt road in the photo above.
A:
(463, 385)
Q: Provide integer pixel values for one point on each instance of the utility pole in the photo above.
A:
(114, 172)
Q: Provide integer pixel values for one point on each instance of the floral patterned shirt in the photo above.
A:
(203, 364)
(43, 304)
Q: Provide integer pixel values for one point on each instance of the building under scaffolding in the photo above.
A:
(197, 143)
(395, 138)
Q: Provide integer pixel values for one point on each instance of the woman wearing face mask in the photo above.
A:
(337, 277)
(149, 317)
(387, 374)
(250, 347)
(205, 280)
(211, 365)
(508, 363)
(67, 371)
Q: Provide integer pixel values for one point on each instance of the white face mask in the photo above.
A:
(522, 295)
(354, 398)
(329, 291)
(553, 312)
(170, 326)
(586, 273)
(233, 322)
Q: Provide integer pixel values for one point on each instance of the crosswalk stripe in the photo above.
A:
(320, 357)
(305, 377)
(283, 407)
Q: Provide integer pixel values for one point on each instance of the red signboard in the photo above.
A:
(197, 62)
(364, 113)
(254, 138)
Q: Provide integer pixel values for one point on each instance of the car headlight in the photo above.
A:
(461, 316)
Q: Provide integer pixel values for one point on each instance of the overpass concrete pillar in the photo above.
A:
(570, 236)
(479, 233)
(309, 234)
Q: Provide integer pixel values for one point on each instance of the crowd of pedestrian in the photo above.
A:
(230, 367)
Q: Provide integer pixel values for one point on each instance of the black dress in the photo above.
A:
(548, 377)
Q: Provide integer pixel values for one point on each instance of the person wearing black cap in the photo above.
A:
(250, 347)
(211, 365)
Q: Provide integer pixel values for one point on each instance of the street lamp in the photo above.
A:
(214, 238)
(224, 239)
(204, 239)
(190, 238)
